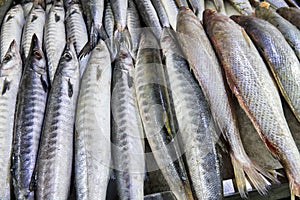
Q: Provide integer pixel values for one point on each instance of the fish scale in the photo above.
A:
(92, 136)
(29, 118)
(127, 135)
(54, 36)
(54, 163)
(255, 90)
(10, 70)
(11, 28)
(119, 8)
(34, 25)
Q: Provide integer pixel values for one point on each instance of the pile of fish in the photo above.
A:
(85, 86)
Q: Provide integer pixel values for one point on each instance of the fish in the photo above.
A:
(198, 7)
(220, 6)
(119, 8)
(291, 14)
(49, 4)
(93, 10)
(5, 5)
(109, 25)
(274, 4)
(279, 56)
(181, 3)
(151, 98)
(34, 25)
(161, 13)
(208, 72)
(55, 156)
(127, 130)
(93, 127)
(252, 84)
(134, 27)
(55, 36)
(27, 6)
(243, 6)
(288, 30)
(195, 121)
(230, 10)
(75, 27)
(11, 29)
(30, 108)
(149, 16)
(10, 75)
(171, 10)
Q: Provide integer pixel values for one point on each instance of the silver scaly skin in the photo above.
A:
(172, 11)
(279, 56)
(93, 127)
(151, 97)
(127, 130)
(288, 30)
(250, 81)
(161, 13)
(10, 74)
(32, 97)
(34, 25)
(204, 63)
(243, 6)
(195, 122)
(119, 8)
(54, 162)
(109, 25)
(11, 29)
(54, 36)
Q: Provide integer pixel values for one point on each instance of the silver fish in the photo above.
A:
(34, 25)
(149, 16)
(93, 127)
(204, 63)
(161, 13)
(127, 130)
(10, 74)
(195, 122)
(134, 27)
(172, 11)
(119, 8)
(109, 25)
(54, 163)
(55, 36)
(151, 99)
(30, 109)
(11, 28)
(198, 7)
(27, 6)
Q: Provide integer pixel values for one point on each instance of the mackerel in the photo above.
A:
(54, 163)
(291, 14)
(92, 136)
(161, 13)
(172, 11)
(10, 74)
(32, 97)
(119, 8)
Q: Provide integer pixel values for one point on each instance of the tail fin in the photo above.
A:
(254, 173)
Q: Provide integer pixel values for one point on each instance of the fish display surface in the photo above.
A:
(146, 99)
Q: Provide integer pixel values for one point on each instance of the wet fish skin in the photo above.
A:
(171, 10)
(11, 28)
(243, 6)
(288, 30)
(134, 27)
(27, 8)
(198, 7)
(279, 56)
(93, 10)
(31, 103)
(291, 14)
(34, 25)
(255, 90)
(54, 163)
(207, 70)
(93, 127)
(195, 122)
(150, 97)
(127, 130)
(276, 3)
(161, 13)
(54, 36)
(119, 8)
(149, 16)
(10, 74)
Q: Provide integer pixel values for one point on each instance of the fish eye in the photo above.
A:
(37, 54)
(7, 58)
(67, 56)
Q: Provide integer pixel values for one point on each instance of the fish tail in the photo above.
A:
(254, 173)
(122, 39)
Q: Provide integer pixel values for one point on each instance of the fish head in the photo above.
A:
(36, 57)
(68, 62)
(12, 60)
